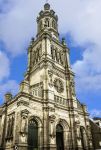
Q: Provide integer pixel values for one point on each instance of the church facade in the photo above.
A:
(45, 114)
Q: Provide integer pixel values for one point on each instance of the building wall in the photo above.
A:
(96, 135)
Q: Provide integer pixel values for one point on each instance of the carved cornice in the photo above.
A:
(22, 102)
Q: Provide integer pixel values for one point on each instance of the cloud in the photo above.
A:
(9, 86)
(88, 70)
(17, 25)
(95, 113)
(4, 66)
(80, 18)
(6, 85)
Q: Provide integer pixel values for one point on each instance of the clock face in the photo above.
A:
(58, 85)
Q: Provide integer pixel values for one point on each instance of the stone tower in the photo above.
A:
(45, 114)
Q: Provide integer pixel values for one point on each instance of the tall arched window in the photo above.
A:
(33, 135)
(59, 137)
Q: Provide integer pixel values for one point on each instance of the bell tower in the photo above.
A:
(49, 82)
(47, 21)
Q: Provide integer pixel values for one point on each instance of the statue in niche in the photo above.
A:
(77, 126)
(12, 126)
(52, 121)
(23, 124)
(58, 57)
(72, 88)
(50, 78)
(24, 116)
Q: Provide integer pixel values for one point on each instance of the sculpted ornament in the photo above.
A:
(58, 85)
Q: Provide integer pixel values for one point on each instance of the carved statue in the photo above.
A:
(24, 116)
(10, 127)
(23, 124)
(52, 131)
(72, 89)
(50, 78)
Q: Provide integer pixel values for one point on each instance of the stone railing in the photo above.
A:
(60, 101)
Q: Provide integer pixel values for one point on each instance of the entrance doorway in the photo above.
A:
(33, 135)
(59, 137)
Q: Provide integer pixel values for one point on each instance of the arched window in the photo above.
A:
(59, 137)
(32, 134)
(47, 23)
(83, 138)
(54, 24)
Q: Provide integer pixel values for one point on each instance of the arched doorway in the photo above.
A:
(33, 135)
(59, 137)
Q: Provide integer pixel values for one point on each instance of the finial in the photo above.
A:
(63, 41)
(46, 6)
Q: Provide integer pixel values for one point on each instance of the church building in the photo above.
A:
(45, 114)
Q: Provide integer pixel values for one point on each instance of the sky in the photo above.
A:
(80, 24)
